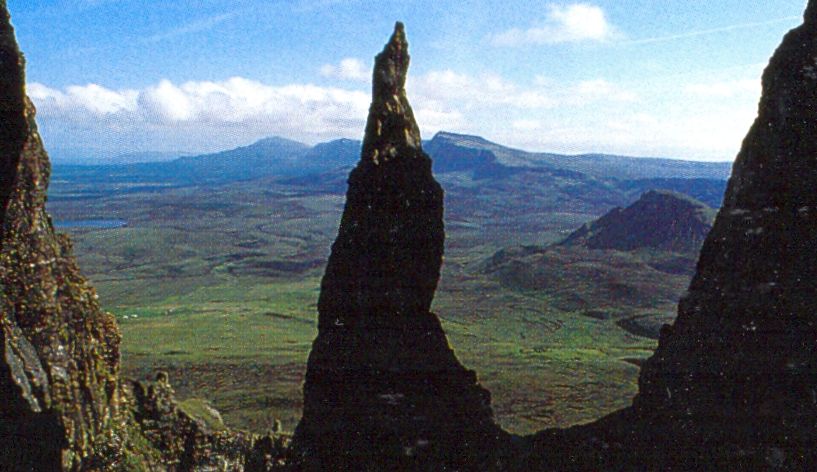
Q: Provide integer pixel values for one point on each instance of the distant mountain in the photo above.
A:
(267, 156)
(543, 194)
(596, 165)
(658, 220)
(145, 156)
(96, 157)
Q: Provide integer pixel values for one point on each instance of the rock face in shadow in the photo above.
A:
(744, 347)
(383, 390)
(732, 384)
(60, 352)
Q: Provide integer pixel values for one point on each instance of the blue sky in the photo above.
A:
(640, 77)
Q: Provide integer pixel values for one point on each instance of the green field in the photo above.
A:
(218, 286)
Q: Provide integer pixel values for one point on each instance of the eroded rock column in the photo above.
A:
(383, 388)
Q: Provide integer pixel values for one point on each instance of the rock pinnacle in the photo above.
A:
(383, 389)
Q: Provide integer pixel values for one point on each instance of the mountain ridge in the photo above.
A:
(283, 149)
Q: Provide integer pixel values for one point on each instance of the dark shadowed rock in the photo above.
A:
(744, 348)
(383, 388)
(659, 219)
(733, 383)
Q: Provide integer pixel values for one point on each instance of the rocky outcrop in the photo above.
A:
(742, 352)
(383, 389)
(63, 405)
(732, 384)
(660, 219)
(198, 441)
(60, 351)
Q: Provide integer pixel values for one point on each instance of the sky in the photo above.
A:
(671, 78)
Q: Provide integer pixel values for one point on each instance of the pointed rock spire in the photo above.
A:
(383, 389)
(391, 127)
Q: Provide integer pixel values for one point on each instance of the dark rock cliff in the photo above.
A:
(732, 385)
(384, 391)
(743, 352)
(60, 352)
(63, 405)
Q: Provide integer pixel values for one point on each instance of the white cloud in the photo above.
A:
(348, 69)
(196, 26)
(235, 110)
(526, 125)
(92, 100)
(593, 115)
(588, 91)
(240, 109)
(570, 23)
(475, 91)
(711, 31)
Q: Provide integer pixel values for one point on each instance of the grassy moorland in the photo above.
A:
(218, 286)
(217, 283)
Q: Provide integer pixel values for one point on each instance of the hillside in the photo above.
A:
(630, 266)
(660, 220)
(204, 249)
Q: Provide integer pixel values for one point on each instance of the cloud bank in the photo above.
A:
(545, 114)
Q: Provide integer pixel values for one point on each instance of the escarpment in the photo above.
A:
(384, 391)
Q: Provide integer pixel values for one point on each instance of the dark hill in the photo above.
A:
(659, 220)
(631, 265)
